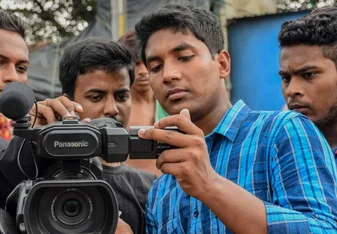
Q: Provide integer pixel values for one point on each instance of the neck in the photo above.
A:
(117, 164)
(142, 97)
(330, 134)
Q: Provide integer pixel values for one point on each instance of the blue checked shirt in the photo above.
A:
(280, 157)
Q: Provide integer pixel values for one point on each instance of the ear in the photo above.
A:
(224, 61)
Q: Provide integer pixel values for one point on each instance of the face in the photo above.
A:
(183, 73)
(104, 95)
(141, 82)
(309, 83)
(14, 59)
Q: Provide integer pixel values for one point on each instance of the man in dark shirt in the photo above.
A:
(96, 76)
(14, 62)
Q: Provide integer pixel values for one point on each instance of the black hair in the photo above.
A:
(129, 39)
(90, 55)
(204, 25)
(13, 23)
(319, 28)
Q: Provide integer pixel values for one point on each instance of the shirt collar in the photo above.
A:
(230, 123)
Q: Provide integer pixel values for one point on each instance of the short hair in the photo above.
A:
(203, 24)
(90, 55)
(319, 28)
(129, 39)
(13, 23)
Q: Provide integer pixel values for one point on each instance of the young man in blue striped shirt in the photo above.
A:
(234, 169)
(308, 69)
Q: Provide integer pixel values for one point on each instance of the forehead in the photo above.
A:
(301, 55)
(102, 80)
(13, 46)
(166, 39)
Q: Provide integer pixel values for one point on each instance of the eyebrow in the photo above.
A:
(96, 91)
(99, 91)
(299, 71)
(20, 61)
(183, 46)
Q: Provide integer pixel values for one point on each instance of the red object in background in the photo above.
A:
(5, 127)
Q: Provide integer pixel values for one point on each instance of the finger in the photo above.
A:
(168, 136)
(170, 156)
(47, 113)
(182, 122)
(78, 107)
(185, 113)
(62, 109)
(70, 105)
(171, 168)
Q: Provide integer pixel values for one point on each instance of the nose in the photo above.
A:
(142, 70)
(170, 73)
(110, 108)
(9, 74)
(294, 88)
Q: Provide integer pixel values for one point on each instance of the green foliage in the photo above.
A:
(295, 5)
(54, 20)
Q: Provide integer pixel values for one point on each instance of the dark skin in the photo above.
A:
(309, 83)
(14, 58)
(183, 74)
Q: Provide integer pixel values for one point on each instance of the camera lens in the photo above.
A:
(71, 208)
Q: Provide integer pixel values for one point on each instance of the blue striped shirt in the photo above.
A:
(280, 157)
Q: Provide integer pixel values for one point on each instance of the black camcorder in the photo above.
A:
(70, 196)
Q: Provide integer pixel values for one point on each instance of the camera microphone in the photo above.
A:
(16, 100)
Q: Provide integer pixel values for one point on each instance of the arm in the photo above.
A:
(303, 179)
(190, 165)
(235, 207)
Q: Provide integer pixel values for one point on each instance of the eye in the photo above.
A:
(122, 96)
(186, 58)
(21, 69)
(95, 98)
(156, 68)
(309, 75)
(286, 79)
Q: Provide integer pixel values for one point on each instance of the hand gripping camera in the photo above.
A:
(70, 196)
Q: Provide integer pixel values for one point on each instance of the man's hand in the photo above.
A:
(123, 227)
(51, 110)
(189, 163)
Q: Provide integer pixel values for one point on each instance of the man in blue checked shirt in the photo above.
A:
(235, 170)
(308, 69)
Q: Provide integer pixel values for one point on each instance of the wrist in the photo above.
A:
(214, 186)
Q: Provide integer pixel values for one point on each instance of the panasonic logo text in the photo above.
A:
(76, 144)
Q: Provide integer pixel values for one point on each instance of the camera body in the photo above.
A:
(71, 197)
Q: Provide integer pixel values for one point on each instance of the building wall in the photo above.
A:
(242, 8)
(254, 51)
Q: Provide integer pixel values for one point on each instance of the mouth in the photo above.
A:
(143, 79)
(175, 94)
(299, 108)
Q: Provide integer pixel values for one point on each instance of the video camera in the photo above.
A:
(71, 197)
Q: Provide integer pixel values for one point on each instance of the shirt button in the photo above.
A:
(196, 214)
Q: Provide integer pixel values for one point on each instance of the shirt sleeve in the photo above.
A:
(302, 180)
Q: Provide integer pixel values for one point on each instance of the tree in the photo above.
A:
(294, 5)
(54, 20)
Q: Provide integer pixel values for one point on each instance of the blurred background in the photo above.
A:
(250, 26)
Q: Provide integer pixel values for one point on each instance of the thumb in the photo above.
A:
(185, 113)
